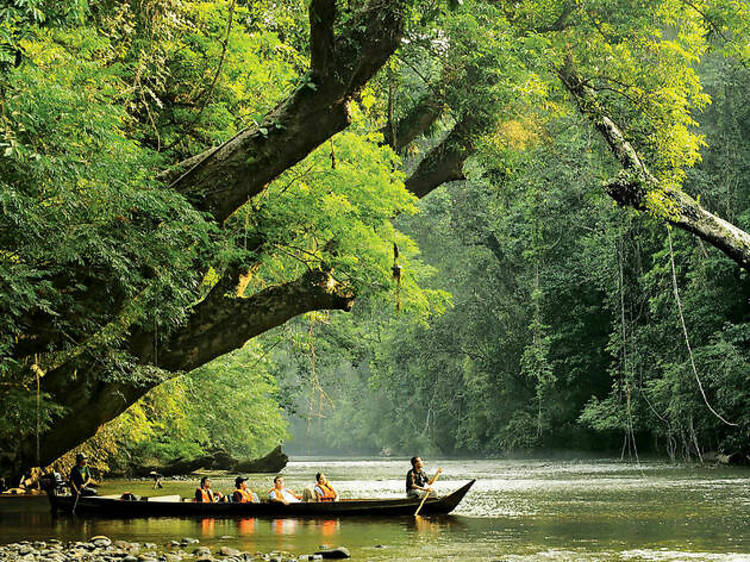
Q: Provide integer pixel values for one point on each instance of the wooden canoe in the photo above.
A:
(173, 506)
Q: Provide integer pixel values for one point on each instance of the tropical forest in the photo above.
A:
(479, 231)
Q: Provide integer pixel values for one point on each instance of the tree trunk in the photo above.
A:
(218, 325)
(634, 182)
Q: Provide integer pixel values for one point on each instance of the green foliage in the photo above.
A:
(555, 295)
(229, 404)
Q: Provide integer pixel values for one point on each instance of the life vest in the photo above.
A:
(282, 495)
(207, 496)
(245, 495)
(328, 494)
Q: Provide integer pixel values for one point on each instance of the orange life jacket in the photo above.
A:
(274, 492)
(246, 496)
(329, 494)
(207, 496)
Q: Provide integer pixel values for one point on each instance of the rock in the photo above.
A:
(228, 551)
(202, 550)
(188, 540)
(149, 546)
(101, 541)
(335, 553)
(130, 558)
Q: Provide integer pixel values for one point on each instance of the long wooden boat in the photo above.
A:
(174, 506)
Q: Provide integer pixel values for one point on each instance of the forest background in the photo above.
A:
(504, 303)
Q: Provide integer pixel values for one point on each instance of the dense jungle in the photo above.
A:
(470, 227)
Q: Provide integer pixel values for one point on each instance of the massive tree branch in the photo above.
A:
(322, 16)
(633, 184)
(222, 323)
(445, 162)
(414, 123)
(218, 325)
(224, 178)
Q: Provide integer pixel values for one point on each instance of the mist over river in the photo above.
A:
(517, 510)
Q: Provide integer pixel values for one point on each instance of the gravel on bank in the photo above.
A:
(103, 549)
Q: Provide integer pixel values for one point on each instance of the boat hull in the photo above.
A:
(106, 507)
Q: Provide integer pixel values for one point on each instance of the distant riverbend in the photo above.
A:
(518, 510)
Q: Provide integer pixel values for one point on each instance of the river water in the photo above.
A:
(517, 510)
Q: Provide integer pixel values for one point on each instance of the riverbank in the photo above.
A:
(104, 549)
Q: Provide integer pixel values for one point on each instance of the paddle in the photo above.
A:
(75, 504)
(434, 478)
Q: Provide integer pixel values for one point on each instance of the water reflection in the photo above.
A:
(246, 526)
(284, 526)
(329, 527)
(208, 528)
(424, 525)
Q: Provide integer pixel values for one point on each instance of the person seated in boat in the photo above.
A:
(323, 490)
(80, 477)
(281, 494)
(205, 494)
(417, 483)
(243, 494)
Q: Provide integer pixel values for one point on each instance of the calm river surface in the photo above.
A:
(517, 510)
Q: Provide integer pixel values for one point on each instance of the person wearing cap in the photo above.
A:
(80, 477)
(242, 493)
(205, 494)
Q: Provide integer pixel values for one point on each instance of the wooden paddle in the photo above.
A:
(434, 478)
(75, 504)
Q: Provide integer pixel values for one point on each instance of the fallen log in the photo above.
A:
(734, 459)
(217, 460)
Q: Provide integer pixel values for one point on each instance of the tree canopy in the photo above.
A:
(179, 177)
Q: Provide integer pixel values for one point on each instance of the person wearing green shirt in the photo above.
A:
(80, 477)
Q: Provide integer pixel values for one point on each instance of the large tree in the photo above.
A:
(117, 275)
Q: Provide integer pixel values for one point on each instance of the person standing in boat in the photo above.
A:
(417, 483)
(80, 477)
(204, 494)
(281, 494)
(242, 493)
(324, 492)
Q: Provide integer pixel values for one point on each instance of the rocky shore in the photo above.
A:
(103, 549)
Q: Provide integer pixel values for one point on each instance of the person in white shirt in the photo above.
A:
(282, 495)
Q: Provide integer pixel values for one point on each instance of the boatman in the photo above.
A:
(417, 484)
(282, 495)
(80, 477)
(324, 492)
(205, 494)
(242, 493)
